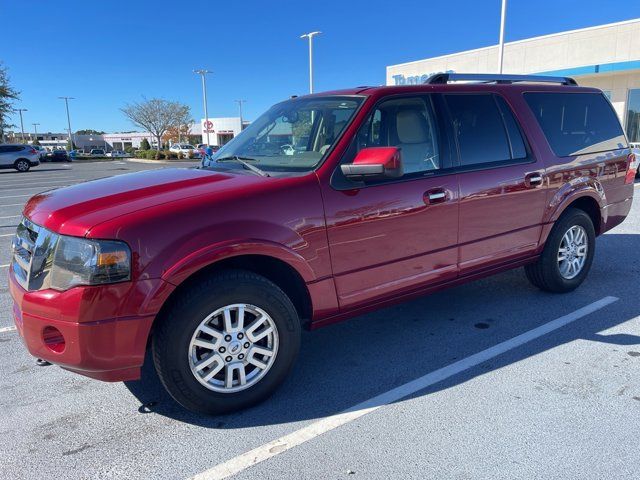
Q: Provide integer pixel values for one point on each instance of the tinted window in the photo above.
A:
(479, 129)
(4, 149)
(516, 141)
(409, 124)
(577, 123)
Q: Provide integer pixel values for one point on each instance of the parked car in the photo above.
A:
(20, 157)
(636, 152)
(97, 152)
(400, 191)
(116, 154)
(185, 149)
(42, 152)
(58, 156)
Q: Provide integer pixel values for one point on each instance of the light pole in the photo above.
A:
(240, 102)
(203, 74)
(35, 129)
(501, 44)
(310, 36)
(66, 102)
(20, 110)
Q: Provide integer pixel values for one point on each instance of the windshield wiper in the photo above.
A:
(244, 163)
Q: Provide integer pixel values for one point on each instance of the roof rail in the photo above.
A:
(440, 78)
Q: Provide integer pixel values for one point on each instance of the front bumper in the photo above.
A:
(95, 330)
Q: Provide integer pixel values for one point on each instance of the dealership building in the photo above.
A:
(221, 130)
(604, 56)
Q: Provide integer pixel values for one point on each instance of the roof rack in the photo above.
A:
(440, 78)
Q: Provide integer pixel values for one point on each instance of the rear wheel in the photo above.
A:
(567, 255)
(22, 165)
(226, 344)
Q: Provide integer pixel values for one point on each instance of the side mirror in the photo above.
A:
(374, 163)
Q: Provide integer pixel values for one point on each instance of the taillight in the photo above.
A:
(632, 169)
(33, 151)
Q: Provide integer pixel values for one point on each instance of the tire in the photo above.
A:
(546, 272)
(176, 357)
(22, 165)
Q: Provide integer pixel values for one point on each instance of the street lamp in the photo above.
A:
(66, 102)
(240, 102)
(20, 110)
(501, 44)
(310, 36)
(203, 74)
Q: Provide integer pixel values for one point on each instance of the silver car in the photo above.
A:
(20, 157)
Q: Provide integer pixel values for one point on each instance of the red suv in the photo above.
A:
(325, 207)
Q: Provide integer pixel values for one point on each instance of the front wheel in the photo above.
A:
(226, 344)
(567, 255)
(22, 165)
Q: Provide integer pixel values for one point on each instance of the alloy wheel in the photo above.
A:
(233, 348)
(572, 253)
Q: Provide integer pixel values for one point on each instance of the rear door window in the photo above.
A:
(577, 123)
(485, 129)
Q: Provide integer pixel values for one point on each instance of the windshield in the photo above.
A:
(293, 135)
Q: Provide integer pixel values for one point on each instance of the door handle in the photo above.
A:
(437, 195)
(534, 179)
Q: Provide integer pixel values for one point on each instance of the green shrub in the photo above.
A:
(144, 144)
(140, 154)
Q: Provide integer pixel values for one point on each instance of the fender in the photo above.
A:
(208, 255)
(567, 194)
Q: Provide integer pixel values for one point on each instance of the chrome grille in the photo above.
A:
(32, 248)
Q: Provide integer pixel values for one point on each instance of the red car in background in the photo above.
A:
(390, 193)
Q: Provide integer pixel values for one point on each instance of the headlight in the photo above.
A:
(81, 261)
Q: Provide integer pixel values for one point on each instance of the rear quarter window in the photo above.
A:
(577, 123)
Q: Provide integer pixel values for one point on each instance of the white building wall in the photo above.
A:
(601, 45)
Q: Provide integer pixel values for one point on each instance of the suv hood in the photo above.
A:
(76, 209)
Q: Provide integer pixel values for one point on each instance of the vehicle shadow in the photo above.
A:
(345, 364)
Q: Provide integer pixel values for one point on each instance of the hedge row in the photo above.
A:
(159, 155)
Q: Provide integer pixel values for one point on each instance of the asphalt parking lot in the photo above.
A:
(493, 379)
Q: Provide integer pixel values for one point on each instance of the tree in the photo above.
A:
(7, 96)
(178, 133)
(157, 115)
(35, 142)
(144, 144)
(89, 132)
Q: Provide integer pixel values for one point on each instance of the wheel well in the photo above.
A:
(279, 272)
(591, 208)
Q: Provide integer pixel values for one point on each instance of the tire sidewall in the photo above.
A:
(24, 162)
(570, 219)
(172, 356)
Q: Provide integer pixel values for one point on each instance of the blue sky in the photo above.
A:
(112, 52)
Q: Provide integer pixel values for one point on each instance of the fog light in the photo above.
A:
(53, 339)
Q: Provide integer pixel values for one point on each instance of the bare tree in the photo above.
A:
(157, 116)
(7, 96)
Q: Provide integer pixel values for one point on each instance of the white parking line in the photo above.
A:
(11, 216)
(15, 196)
(13, 186)
(7, 235)
(39, 188)
(44, 179)
(4, 266)
(13, 205)
(8, 329)
(326, 424)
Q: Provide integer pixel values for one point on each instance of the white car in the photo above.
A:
(185, 149)
(20, 157)
(116, 154)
